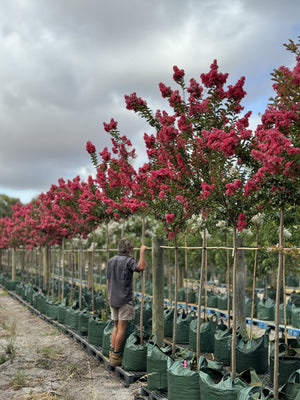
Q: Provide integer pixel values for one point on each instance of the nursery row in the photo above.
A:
(180, 374)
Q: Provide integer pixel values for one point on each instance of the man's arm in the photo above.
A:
(141, 266)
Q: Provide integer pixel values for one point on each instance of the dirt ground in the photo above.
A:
(38, 362)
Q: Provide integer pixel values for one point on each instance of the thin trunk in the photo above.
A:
(253, 283)
(143, 287)
(278, 287)
(186, 273)
(63, 269)
(80, 272)
(228, 279)
(200, 294)
(175, 298)
(158, 290)
(170, 279)
(233, 340)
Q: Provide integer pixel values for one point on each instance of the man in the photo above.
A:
(120, 294)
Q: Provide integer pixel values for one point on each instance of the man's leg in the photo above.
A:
(119, 335)
(114, 334)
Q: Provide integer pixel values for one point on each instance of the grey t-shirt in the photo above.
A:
(119, 275)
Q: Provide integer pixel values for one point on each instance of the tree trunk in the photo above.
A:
(13, 264)
(278, 289)
(240, 285)
(253, 284)
(158, 290)
(200, 294)
(46, 271)
(175, 298)
(234, 324)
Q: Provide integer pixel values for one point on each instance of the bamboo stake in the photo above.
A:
(200, 296)
(253, 284)
(175, 298)
(143, 287)
(278, 284)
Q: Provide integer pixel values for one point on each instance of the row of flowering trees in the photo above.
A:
(202, 160)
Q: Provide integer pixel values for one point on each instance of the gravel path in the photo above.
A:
(38, 362)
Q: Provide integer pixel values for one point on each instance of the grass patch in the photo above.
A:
(19, 380)
(9, 351)
(4, 293)
(52, 332)
(50, 352)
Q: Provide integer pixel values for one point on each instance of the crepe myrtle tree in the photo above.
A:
(276, 148)
(202, 148)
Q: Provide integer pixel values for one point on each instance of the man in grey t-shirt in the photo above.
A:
(120, 295)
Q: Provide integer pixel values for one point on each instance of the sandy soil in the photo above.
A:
(43, 363)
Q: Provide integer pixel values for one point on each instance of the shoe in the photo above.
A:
(115, 359)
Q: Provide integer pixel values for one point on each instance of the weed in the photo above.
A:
(52, 332)
(3, 359)
(10, 350)
(50, 352)
(12, 329)
(19, 380)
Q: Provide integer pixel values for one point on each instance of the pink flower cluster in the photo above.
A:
(90, 148)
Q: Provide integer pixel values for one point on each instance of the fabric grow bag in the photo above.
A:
(214, 384)
(254, 393)
(71, 318)
(183, 325)
(291, 390)
(183, 383)
(212, 300)
(52, 309)
(222, 345)
(83, 322)
(135, 353)
(157, 360)
(288, 309)
(168, 322)
(61, 313)
(222, 301)
(253, 354)
(106, 337)
(295, 316)
(289, 359)
(265, 309)
(207, 331)
(147, 312)
(95, 330)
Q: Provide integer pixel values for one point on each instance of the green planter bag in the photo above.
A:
(223, 300)
(295, 316)
(222, 345)
(181, 294)
(254, 393)
(52, 309)
(207, 331)
(61, 313)
(83, 322)
(135, 353)
(168, 322)
(289, 359)
(183, 325)
(157, 360)
(265, 309)
(95, 330)
(253, 354)
(183, 383)
(212, 300)
(288, 309)
(71, 318)
(216, 385)
(291, 390)
(106, 337)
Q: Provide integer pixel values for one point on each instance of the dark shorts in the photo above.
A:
(123, 313)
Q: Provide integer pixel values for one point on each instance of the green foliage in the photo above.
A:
(6, 204)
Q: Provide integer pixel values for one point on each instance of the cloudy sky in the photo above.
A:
(67, 64)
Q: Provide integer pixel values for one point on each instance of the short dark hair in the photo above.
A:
(124, 244)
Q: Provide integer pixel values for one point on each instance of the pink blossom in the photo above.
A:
(165, 91)
(170, 217)
(241, 222)
(111, 126)
(178, 74)
(90, 148)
